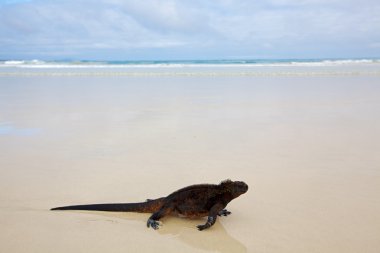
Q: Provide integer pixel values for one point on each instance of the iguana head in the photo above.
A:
(235, 187)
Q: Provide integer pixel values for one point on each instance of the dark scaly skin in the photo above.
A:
(192, 201)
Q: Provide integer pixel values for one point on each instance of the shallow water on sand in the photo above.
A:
(307, 145)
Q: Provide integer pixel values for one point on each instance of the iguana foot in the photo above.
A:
(224, 212)
(201, 227)
(153, 223)
(210, 221)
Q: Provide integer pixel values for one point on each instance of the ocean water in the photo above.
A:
(184, 63)
(219, 68)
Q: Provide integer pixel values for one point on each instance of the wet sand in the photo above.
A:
(307, 144)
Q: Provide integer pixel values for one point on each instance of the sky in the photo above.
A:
(188, 29)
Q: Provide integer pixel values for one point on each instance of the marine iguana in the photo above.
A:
(193, 201)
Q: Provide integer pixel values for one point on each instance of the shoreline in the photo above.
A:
(217, 71)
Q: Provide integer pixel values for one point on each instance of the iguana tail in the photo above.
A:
(150, 206)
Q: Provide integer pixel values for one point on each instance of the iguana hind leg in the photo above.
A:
(153, 219)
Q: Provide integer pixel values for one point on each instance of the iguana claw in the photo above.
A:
(153, 223)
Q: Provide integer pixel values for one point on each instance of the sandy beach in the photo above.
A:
(305, 139)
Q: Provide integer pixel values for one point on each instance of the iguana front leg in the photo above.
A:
(213, 214)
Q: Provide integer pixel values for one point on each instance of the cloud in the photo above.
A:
(190, 29)
(84, 25)
(6, 2)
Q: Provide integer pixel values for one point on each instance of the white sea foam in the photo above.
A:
(12, 63)
(184, 64)
(336, 62)
(22, 63)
